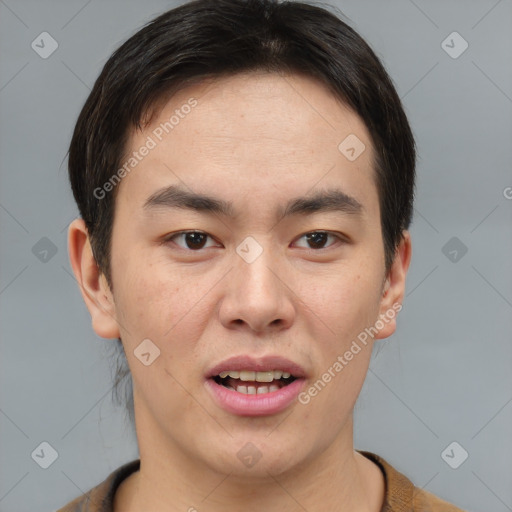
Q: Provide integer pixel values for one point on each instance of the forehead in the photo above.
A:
(258, 134)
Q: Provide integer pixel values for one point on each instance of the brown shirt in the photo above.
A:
(401, 494)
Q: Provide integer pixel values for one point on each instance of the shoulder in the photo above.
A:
(101, 497)
(428, 502)
(402, 495)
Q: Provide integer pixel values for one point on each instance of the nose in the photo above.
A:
(257, 296)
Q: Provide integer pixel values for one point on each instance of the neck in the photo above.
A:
(170, 480)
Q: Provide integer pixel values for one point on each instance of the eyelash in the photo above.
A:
(182, 233)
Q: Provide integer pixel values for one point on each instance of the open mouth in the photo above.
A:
(254, 383)
(253, 387)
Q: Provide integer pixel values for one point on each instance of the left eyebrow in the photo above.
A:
(174, 196)
(331, 200)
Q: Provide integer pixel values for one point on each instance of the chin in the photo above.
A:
(257, 456)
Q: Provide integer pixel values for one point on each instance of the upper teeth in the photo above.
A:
(257, 376)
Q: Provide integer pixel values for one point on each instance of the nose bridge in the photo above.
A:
(257, 268)
(255, 294)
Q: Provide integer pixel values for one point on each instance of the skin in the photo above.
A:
(256, 140)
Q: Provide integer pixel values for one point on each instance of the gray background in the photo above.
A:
(444, 376)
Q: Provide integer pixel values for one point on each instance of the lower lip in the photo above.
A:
(254, 405)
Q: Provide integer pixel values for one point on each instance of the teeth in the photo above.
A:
(247, 375)
(232, 373)
(265, 376)
(253, 390)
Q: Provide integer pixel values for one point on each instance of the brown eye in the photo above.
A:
(318, 239)
(193, 240)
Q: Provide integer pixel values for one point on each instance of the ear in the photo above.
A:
(394, 287)
(93, 284)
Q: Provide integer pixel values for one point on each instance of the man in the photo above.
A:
(244, 172)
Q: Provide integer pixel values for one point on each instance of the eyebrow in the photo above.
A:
(329, 200)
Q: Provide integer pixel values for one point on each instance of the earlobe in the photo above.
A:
(92, 283)
(394, 287)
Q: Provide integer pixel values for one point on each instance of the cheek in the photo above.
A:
(346, 308)
(346, 298)
(169, 313)
(164, 306)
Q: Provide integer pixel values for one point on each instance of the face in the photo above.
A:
(284, 271)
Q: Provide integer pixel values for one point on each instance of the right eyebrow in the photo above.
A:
(174, 196)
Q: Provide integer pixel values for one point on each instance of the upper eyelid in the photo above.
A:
(339, 236)
(179, 233)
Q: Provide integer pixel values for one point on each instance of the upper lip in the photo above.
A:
(257, 364)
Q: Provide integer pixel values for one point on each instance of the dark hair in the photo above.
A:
(214, 38)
